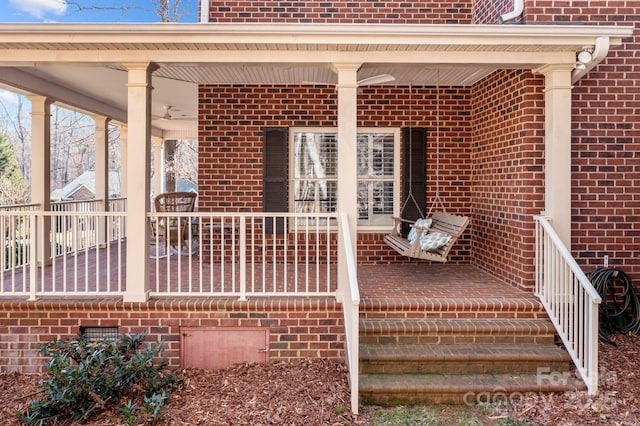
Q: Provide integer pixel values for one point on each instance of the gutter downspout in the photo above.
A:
(518, 8)
(600, 50)
(204, 11)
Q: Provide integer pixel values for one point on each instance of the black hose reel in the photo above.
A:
(619, 311)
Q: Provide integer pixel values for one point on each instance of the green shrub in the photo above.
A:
(86, 377)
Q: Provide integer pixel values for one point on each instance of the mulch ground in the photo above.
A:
(311, 392)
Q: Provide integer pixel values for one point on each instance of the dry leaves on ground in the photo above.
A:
(313, 392)
(615, 404)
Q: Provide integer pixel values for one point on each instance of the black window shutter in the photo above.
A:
(275, 149)
(414, 172)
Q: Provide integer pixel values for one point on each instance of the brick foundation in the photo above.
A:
(310, 327)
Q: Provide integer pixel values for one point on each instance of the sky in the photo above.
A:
(91, 11)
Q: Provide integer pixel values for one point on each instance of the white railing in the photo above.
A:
(237, 254)
(220, 254)
(117, 204)
(81, 255)
(351, 310)
(20, 207)
(569, 299)
(76, 206)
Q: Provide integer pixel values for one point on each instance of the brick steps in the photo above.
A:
(451, 331)
(414, 350)
(451, 308)
(394, 389)
(467, 359)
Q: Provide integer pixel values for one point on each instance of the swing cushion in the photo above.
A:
(421, 223)
(433, 240)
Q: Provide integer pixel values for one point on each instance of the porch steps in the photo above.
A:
(451, 359)
(457, 351)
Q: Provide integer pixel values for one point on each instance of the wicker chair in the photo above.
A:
(174, 231)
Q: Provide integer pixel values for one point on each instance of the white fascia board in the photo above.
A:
(105, 35)
(522, 59)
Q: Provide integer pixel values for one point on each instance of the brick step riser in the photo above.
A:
(456, 398)
(448, 339)
(503, 308)
(517, 366)
(400, 315)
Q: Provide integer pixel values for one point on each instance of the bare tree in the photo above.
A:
(168, 11)
(181, 162)
(165, 10)
(18, 134)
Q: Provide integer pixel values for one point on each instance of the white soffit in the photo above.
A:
(82, 63)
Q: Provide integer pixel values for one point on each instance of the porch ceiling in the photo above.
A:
(81, 65)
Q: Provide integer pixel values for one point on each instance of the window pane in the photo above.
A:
(375, 155)
(314, 156)
(363, 155)
(375, 202)
(382, 164)
(311, 196)
(382, 197)
(363, 200)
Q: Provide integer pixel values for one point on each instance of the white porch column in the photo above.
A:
(347, 159)
(102, 171)
(138, 166)
(124, 147)
(557, 158)
(158, 172)
(41, 169)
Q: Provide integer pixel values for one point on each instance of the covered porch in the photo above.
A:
(474, 74)
(196, 69)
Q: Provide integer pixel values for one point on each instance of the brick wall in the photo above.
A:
(230, 149)
(298, 327)
(508, 113)
(606, 139)
(379, 12)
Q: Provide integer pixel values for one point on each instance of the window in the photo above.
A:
(376, 179)
(314, 179)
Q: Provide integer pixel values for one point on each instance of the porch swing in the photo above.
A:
(432, 236)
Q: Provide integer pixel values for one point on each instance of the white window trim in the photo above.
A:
(396, 166)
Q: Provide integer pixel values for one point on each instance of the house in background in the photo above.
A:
(316, 123)
(84, 187)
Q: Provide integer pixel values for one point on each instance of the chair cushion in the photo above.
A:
(422, 223)
(433, 240)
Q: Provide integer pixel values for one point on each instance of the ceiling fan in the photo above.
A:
(376, 79)
(168, 116)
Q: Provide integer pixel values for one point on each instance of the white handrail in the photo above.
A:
(351, 310)
(570, 300)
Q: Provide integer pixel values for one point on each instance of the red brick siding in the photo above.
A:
(345, 12)
(509, 181)
(230, 150)
(298, 328)
(606, 142)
